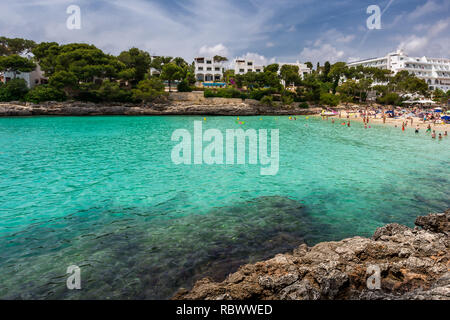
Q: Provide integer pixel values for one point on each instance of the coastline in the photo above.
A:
(440, 128)
(177, 104)
(413, 264)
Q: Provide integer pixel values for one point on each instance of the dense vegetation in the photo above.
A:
(83, 72)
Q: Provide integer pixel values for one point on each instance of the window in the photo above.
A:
(209, 69)
(208, 61)
(200, 68)
(249, 63)
(217, 69)
(241, 70)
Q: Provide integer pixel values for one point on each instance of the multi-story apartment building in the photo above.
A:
(435, 71)
(207, 70)
(242, 66)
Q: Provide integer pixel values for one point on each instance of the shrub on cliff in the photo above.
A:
(44, 93)
(267, 100)
(184, 86)
(258, 94)
(13, 90)
(110, 91)
(303, 105)
(224, 93)
(149, 90)
(329, 99)
(391, 98)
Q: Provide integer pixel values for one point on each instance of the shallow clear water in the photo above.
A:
(102, 193)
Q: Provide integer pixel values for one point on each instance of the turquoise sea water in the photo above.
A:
(102, 193)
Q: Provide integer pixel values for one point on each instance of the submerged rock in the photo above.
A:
(412, 264)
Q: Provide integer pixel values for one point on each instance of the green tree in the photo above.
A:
(13, 90)
(110, 91)
(44, 93)
(218, 58)
(65, 81)
(329, 99)
(171, 72)
(272, 68)
(86, 62)
(10, 46)
(337, 72)
(158, 62)
(325, 72)
(290, 75)
(149, 90)
(137, 63)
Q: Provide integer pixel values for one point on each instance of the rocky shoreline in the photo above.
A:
(414, 264)
(175, 104)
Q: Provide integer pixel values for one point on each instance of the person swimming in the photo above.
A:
(417, 129)
(433, 135)
(445, 133)
(440, 136)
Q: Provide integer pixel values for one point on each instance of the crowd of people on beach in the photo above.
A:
(403, 118)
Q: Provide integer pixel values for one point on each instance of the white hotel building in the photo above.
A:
(435, 71)
(242, 66)
(207, 70)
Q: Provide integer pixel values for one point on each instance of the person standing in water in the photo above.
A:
(433, 135)
(417, 129)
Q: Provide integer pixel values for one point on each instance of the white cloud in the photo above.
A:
(322, 52)
(429, 7)
(331, 46)
(346, 39)
(270, 44)
(218, 49)
(433, 41)
(116, 25)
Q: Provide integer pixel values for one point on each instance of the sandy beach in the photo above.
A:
(356, 116)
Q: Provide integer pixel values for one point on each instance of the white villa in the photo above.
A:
(435, 71)
(242, 66)
(206, 69)
(32, 78)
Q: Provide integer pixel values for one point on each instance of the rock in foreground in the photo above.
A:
(413, 264)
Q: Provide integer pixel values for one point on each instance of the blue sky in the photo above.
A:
(265, 30)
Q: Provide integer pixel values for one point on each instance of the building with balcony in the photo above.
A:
(435, 71)
(208, 70)
(242, 66)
